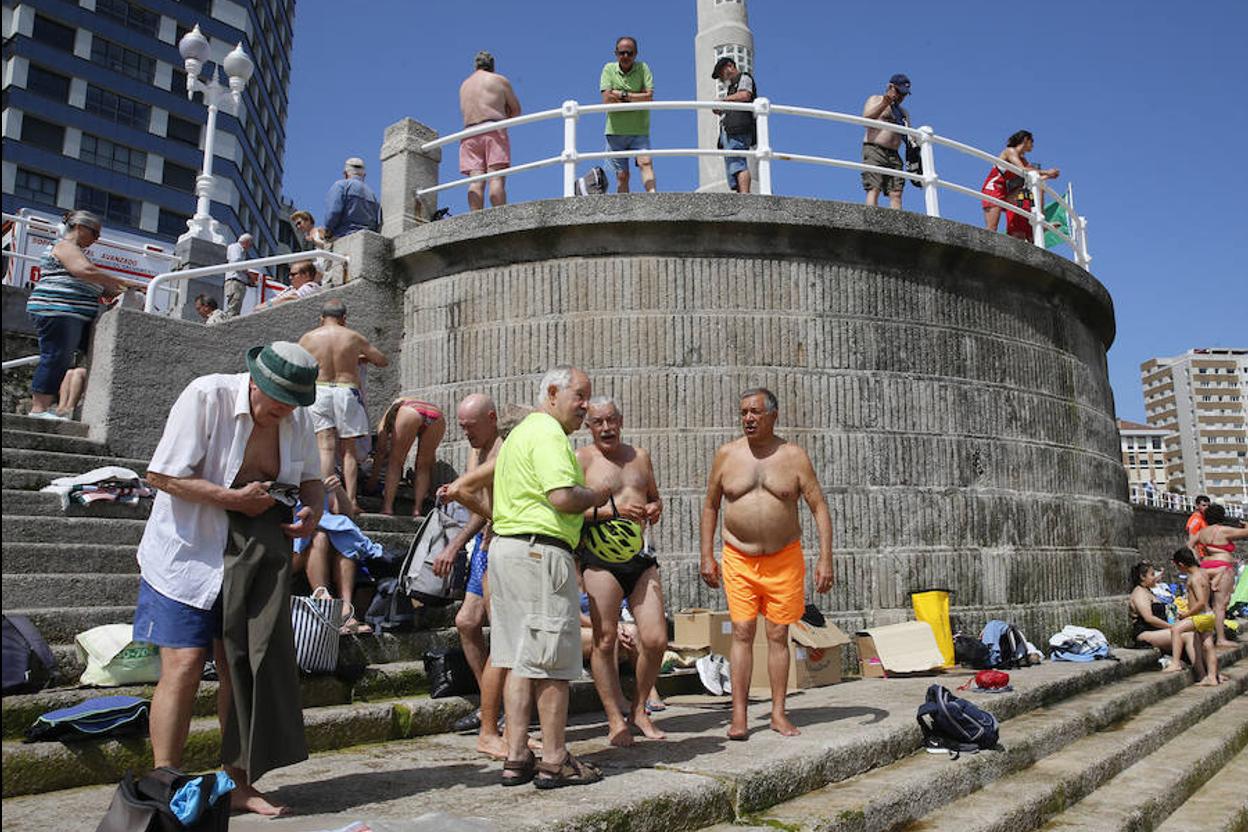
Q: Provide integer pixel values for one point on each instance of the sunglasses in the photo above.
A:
(625, 52)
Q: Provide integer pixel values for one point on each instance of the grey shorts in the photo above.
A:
(882, 157)
(535, 606)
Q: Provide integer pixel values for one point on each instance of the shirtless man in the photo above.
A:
(338, 416)
(486, 96)
(879, 145)
(619, 566)
(215, 562)
(763, 477)
(1198, 616)
(478, 419)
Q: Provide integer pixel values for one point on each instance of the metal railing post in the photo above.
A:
(1083, 241)
(1037, 211)
(927, 155)
(762, 113)
(571, 112)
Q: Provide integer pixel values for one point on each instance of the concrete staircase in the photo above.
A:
(1104, 746)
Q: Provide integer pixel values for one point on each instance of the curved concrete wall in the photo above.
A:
(949, 383)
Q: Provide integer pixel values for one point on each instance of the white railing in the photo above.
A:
(167, 278)
(765, 154)
(1170, 501)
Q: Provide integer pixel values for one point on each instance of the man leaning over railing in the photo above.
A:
(623, 80)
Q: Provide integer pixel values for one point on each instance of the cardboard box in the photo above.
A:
(703, 628)
(899, 649)
(814, 657)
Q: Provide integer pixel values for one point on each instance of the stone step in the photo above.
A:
(907, 790)
(26, 460)
(35, 441)
(694, 779)
(44, 767)
(118, 531)
(385, 681)
(53, 591)
(15, 421)
(26, 479)
(1157, 785)
(1220, 805)
(1030, 798)
(59, 625)
(38, 504)
(67, 558)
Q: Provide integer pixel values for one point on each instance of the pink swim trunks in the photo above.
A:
(488, 151)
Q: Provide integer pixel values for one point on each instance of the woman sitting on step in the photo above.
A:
(1149, 627)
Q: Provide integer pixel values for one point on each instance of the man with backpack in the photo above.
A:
(736, 127)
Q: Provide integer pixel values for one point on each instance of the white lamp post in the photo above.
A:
(195, 53)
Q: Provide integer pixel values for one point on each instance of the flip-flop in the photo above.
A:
(352, 627)
(653, 707)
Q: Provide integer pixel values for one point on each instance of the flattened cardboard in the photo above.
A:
(901, 648)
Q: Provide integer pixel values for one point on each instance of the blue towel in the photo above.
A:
(188, 803)
(345, 536)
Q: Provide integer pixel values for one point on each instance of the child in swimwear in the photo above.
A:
(1196, 618)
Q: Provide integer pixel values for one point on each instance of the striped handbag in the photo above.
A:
(316, 620)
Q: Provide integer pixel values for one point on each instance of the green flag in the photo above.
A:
(1055, 213)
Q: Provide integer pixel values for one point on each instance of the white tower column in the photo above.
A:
(723, 29)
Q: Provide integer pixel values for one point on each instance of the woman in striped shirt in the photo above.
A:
(63, 304)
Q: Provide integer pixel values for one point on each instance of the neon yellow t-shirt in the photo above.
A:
(536, 458)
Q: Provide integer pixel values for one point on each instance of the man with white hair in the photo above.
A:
(617, 565)
(483, 97)
(236, 282)
(535, 623)
(351, 205)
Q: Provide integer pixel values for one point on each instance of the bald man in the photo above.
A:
(478, 419)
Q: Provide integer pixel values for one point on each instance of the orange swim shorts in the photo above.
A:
(773, 584)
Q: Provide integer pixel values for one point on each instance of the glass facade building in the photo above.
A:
(96, 114)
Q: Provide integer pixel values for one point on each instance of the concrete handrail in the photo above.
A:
(243, 265)
(764, 153)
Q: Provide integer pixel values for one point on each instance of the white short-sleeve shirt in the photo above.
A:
(182, 553)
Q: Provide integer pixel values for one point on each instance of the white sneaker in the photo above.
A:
(50, 415)
(709, 673)
(725, 675)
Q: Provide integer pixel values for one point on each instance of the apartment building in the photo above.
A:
(1199, 399)
(96, 114)
(1143, 454)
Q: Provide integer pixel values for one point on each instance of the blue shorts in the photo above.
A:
(478, 563)
(162, 621)
(734, 164)
(625, 143)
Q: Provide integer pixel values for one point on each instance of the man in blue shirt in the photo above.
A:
(351, 205)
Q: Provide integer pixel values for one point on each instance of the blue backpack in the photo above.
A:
(954, 724)
(101, 716)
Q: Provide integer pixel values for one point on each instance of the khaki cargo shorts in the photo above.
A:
(535, 606)
(882, 157)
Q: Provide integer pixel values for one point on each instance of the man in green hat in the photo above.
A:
(236, 452)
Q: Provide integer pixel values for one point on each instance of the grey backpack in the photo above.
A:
(416, 578)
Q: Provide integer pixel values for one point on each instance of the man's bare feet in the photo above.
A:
(781, 725)
(738, 730)
(250, 799)
(647, 727)
(492, 747)
(620, 735)
(1222, 643)
(1174, 667)
(535, 745)
(1208, 682)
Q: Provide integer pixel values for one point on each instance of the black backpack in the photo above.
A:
(28, 663)
(142, 805)
(390, 611)
(448, 673)
(1013, 646)
(970, 652)
(954, 724)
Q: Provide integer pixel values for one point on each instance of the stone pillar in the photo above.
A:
(370, 255)
(404, 168)
(194, 253)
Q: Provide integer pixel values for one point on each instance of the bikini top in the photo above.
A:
(1225, 547)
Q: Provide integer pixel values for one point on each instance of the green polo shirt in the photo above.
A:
(637, 79)
(536, 458)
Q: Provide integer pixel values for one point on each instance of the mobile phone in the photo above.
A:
(284, 493)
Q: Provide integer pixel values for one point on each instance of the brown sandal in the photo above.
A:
(522, 771)
(571, 772)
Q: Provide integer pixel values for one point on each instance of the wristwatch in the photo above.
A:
(624, 95)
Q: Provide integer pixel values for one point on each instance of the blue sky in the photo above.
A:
(1141, 105)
